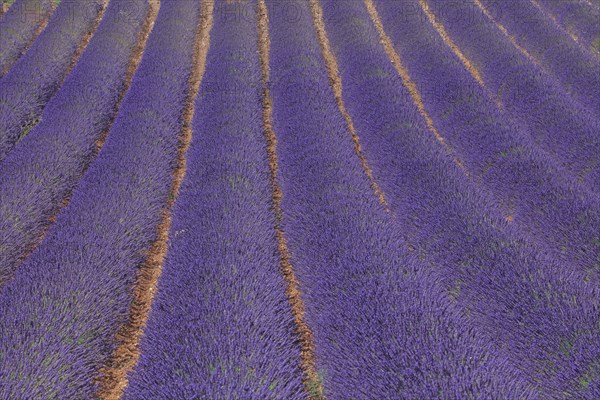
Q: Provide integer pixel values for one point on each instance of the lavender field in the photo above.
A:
(299, 199)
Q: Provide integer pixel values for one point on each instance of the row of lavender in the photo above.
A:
(557, 87)
(367, 300)
(19, 27)
(510, 290)
(36, 76)
(39, 174)
(544, 89)
(221, 325)
(453, 309)
(552, 48)
(528, 187)
(539, 89)
(358, 284)
(578, 17)
(60, 313)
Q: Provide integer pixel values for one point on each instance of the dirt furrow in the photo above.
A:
(336, 84)
(439, 27)
(133, 64)
(409, 83)
(555, 21)
(504, 31)
(80, 49)
(86, 40)
(311, 380)
(113, 377)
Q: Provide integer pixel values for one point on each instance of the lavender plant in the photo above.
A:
(539, 99)
(382, 327)
(570, 64)
(578, 17)
(341, 226)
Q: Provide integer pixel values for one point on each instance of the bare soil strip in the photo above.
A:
(308, 363)
(439, 27)
(468, 64)
(512, 39)
(408, 82)
(336, 84)
(42, 25)
(555, 21)
(113, 376)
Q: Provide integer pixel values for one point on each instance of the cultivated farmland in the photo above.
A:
(299, 199)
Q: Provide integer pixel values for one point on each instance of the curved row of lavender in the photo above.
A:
(383, 327)
(572, 66)
(529, 307)
(36, 77)
(60, 314)
(44, 168)
(543, 202)
(18, 29)
(539, 101)
(579, 18)
(221, 325)
(545, 110)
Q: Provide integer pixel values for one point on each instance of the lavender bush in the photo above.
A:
(572, 66)
(543, 103)
(578, 17)
(382, 326)
(347, 223)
